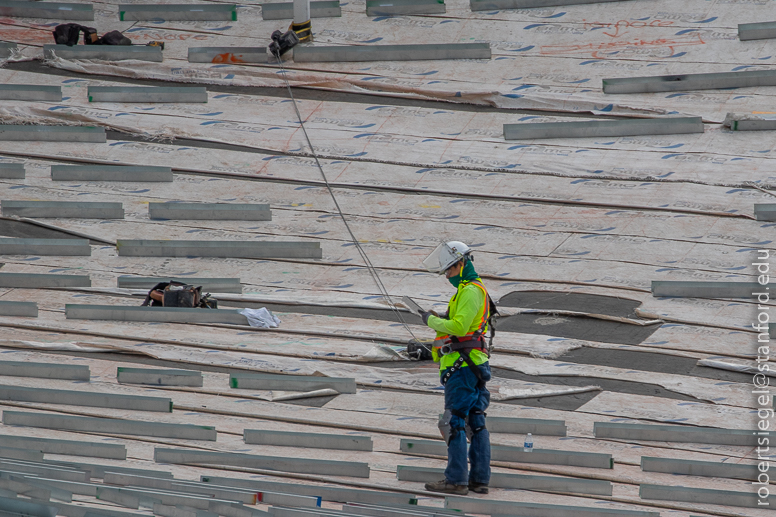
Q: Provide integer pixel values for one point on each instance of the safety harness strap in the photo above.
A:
(464, 357)
(450, 371)
(474, 368)
(475, 343)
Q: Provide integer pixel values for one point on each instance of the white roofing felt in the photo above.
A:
(603, 216)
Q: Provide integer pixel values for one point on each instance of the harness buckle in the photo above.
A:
(446, 349)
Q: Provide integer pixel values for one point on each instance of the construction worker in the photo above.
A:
(462, 354)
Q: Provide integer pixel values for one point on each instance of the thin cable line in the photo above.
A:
(372, 270)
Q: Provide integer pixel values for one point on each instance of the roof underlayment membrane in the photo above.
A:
(414, 152)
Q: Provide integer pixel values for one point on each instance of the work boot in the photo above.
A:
(478, 488)
(447, 488)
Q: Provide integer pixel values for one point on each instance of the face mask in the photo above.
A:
(467, 273)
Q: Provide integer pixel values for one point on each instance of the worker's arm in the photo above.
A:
(468, 308)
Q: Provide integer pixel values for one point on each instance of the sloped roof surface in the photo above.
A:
(414, 153)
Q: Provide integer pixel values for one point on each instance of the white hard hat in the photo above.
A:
(445, 255)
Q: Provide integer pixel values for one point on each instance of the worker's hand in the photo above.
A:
(425, 315)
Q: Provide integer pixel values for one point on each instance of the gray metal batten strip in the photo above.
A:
(328, 493)
(110, 173)
(684, 82)
(24, 309)
(17, 133)
(195, 94)
(290, 500)
(178, 12)
(30, 92)
(309, 466)
(222, 249)
(516, 454)
(752, 125)
(752, 31)
(603, 128)
(163, 510)
(504, 508)
(702, 496)
(85, 398)
(516, 481)
(234, 510)
(225, 55)
(43, 280)
(107, 52)
(44, 464)
(116, 496)
(68, 447)
(283, 511)
(217, 285)
(154, 314)
(699, 468)
(765, 212)
(707, 289)
(78, 210)
(435, 511)
(219, 492)
(12, 203)
(99, 471)
(107, 425)
(285, 10)
(526, 425)
(48, 471)
(17, 453)
(74, 372)
(404, 7)
(52, 247)
(210, 211)
(11, 171)
(72, 510)
(178, 497)
(490, 5)
(159, 377)
(6, 492)
(6, 49)
(308, 440)
(27, 508)
(268, 381)
(675, 433)
(372, 511)
(20, 487)
(392, 52)
(47, 10)
(71, 486)
(57, 493)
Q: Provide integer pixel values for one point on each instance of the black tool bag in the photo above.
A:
(111, 38)
(419, 350)
(178, 294)
(67, 34)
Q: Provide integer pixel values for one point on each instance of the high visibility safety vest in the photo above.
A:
(475, 334)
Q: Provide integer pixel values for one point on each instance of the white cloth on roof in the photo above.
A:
(262, 318)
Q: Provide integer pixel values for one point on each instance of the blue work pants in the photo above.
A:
(464, 397)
